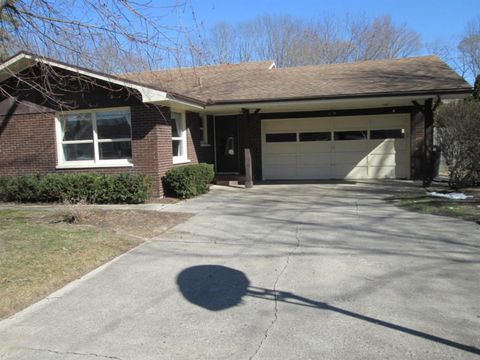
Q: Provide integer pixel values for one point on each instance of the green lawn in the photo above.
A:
(39, 254)
(466, 210)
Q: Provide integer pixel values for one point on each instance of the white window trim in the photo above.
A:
(96, 162)
(204, 140)
(182, 138)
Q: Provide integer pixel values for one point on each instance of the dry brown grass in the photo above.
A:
(40, 251)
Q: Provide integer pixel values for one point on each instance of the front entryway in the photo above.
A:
(226, 144)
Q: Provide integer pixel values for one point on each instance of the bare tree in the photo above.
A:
(448, 51)
(461, 52)
(110, 35)
(229, 43)
(469, 48)
(458, 130)
(290, 41)
(326, 42)
(75, 30)
(381, 39)
(476, 88)
(278, 38)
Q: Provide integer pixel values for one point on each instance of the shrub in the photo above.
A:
(21, 188)
(189, 180)
(3, 183)
(458, 133)
(75, 188)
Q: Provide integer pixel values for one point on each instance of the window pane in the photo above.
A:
(113, 125)
(387, 134)
(176, 124)
(77, 127)
(115, 150)
(78, 152)
(281, 137)
(177, 147)
(316, 136)
(351, 135)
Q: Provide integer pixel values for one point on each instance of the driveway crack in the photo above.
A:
(75, 353)
(275, 295)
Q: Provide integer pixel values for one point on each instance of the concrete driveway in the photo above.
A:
(318, 271)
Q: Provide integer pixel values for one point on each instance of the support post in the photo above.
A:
(428, 144)
(248, 169)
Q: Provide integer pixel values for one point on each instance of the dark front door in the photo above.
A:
(226, 143)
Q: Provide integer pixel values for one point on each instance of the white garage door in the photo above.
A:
(355, 147)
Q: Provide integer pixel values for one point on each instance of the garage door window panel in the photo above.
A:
(281, 137)
(351, 135)
(315, 136)
(387, 134)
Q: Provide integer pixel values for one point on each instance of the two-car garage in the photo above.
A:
(353, 147)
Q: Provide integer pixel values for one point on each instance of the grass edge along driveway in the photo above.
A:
(40, 253)
(420, 203)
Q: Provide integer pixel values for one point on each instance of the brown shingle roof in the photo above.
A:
(258, 82)
(191, 81)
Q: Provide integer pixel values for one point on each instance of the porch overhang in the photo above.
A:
(335, 103)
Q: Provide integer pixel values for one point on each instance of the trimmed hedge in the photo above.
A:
(189, 180)
(74, 188)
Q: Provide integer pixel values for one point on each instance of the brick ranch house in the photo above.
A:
(363, 120)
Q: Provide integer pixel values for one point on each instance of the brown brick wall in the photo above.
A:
(164, 147)
(255, 143)
(27, 144)
(147, 125)
(417, 131)
(250, 137)
(194, 136)
(196, 152)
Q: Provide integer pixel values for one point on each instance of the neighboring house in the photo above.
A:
(364, 120)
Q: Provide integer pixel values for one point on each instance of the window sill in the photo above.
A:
(181, 161)
(93, 166)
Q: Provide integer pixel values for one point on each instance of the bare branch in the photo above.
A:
(113, 36)
(290, 41)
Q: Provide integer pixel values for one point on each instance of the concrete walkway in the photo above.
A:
(319, 271)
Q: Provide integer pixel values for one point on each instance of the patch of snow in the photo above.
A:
(451, 196)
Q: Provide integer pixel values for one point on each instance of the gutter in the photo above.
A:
(426, 93)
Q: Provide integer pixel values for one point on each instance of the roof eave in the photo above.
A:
(335, 102)
(149, 94)
(455, 93)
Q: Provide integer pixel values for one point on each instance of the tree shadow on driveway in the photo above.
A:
(216, 288)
